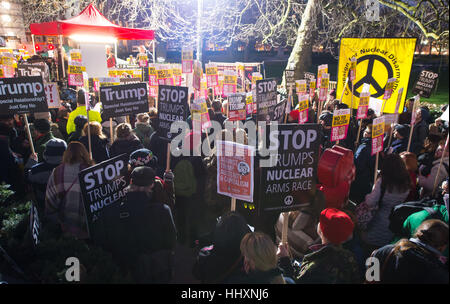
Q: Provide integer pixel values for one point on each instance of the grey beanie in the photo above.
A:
(54, 150)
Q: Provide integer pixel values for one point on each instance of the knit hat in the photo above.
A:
(403, 130)
(143, 176)
(335, 225)
(54, 150)
(327, 117)
(143, 157)
(80, 121)
(42, 125)
(294, 114)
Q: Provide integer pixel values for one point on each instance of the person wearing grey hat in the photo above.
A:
(38, 173)
(142, 228)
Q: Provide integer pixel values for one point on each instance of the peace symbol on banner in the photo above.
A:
(369, 75)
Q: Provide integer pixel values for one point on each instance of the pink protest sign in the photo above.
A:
(339, 128)
(377, 135)
(363, 106)
(303, 106)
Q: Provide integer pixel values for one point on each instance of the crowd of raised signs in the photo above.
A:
(157, 208)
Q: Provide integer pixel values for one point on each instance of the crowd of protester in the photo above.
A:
(163, 207)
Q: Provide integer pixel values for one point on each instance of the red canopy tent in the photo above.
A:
(90, 21)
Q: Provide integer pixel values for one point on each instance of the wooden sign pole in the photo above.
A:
(30, 138)
(343, 90)
(168, 158)
(284, 232)
(233, 204)
(376, 167)
(111, 131)
(89, 136)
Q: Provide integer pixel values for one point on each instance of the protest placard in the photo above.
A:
(172, 106)
(75, 73)
(164, 75)
(322, 69)
(28, 69)
(303, 106)
(229, 82)
(389, 88)
(300, 86)
(266, 98)
(363, 106)
(279, 111)
(22, 95)
(212, 75)
(187, 59)
(235, 170)
(125, 99)
(289, 77)
(177, 74)
(103, 185)
(200, 114)
(425, 83)
(339, 127)
(290, 183)
(52, 94)
(237, 107)
(377, 135)
(198, 75)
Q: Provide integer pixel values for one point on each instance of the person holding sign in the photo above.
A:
(63, 199)
(141, 232)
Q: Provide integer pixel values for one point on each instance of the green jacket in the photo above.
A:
(39, 145)
(414, 220)
(330, 264)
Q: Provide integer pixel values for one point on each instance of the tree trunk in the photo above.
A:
(301, 55)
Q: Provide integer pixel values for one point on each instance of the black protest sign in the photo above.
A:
(172, 106)
(309, 76)
(121, 100)
(103, 185)
(288, 180)
(27, 70)
(236, 107)
(425, 83)
(266, 98)
(279, 111)
(290, 78)
(22, 95)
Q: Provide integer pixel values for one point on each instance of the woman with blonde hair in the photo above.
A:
(260, 261)
(99, 141)
(63, 200)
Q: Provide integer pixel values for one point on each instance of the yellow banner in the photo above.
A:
(378, 59)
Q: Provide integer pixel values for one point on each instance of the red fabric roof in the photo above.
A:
(90, 21)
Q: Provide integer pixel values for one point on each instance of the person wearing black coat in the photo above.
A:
(140, 232)
(418, 260)
(221, 260)
(365, 166)
(126, 142)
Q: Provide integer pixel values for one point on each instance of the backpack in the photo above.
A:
(185, 182)
(400, 213)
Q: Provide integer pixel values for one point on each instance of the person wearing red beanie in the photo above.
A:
(335, 226)
(329, 262)
(293, 116)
